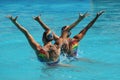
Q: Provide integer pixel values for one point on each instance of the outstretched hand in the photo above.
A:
(37, 18)
(100, 13)
(12, 19)
(81, 16)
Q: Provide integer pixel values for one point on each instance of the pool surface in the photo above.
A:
(101, 43)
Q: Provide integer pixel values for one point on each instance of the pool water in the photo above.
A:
(101, 43)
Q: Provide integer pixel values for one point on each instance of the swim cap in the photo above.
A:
(47, 37)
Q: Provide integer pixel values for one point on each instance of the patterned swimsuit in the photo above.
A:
(42, 58)
(74, 47)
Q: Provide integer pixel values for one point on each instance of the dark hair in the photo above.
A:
(63, 28)
(69, 33)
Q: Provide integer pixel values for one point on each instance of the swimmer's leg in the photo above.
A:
(45, 27)
(29, 37)
(39, 20)
(85, 60)
(83, 32)
(64, 65)
(81, 17)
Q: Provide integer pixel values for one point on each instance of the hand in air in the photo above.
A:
(12, 19)
(81, 16)
(37, 18)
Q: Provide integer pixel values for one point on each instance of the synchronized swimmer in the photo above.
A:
(50, 53)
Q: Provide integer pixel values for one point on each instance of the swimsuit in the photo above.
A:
(42, 55)
(42, 58)
(74, 45)
(52, 63)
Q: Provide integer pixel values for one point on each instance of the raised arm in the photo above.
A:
(81, 17)
(29, 37)
(44, 26)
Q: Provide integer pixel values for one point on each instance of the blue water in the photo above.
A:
(101, 43)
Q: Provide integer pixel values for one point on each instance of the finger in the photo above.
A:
(16, 18)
